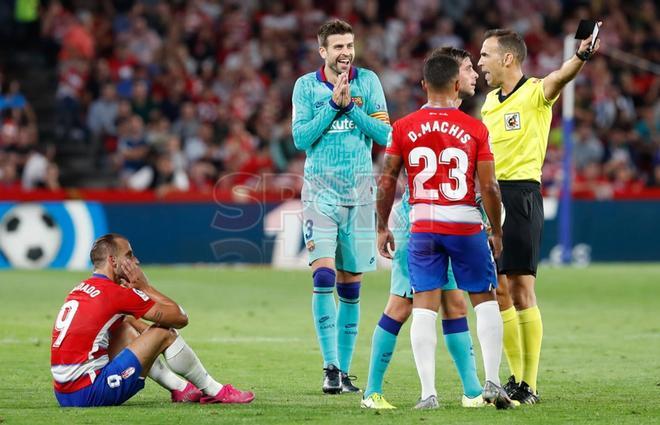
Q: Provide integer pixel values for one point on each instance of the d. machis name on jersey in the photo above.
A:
(442, 127)
(88, 289)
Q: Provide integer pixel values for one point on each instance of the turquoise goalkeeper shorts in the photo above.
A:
(345, 233)
(400, 278)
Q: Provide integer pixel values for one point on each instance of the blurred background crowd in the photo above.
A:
(182, 95)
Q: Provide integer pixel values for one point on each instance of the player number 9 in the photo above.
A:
(64, 319)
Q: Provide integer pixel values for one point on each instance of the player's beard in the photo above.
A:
(119, 275)
(335, 66)
(462, 94)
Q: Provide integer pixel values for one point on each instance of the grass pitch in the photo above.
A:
(252, 327)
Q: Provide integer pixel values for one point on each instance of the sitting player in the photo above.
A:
(100, 359)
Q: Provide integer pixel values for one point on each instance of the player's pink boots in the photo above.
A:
(229, 394)
(190, 394)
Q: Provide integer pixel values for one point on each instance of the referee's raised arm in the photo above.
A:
(556, 80)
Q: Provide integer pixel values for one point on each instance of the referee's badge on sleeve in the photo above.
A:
(512, 121)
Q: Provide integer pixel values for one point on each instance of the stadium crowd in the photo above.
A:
(179, 95)
(24, 163)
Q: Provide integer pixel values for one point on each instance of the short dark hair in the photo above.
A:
(333, 27)
(440, 71)
(104, 246)
(454, 52)
(510, 42)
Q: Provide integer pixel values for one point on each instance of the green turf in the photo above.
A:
(253, 328)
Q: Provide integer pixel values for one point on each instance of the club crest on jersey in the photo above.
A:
(358, 100)
(128, 372)
(512, 121)
(311, 246)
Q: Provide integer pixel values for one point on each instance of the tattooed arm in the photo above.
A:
(386, 193)
(165, 312)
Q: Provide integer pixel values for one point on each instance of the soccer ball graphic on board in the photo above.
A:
(29, 236)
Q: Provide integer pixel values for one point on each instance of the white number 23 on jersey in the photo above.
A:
(457, 174)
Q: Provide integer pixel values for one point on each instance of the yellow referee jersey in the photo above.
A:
(519, 128)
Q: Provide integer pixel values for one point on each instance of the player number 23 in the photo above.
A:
(457, 174)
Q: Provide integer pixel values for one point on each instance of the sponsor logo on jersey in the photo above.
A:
(141, 294)
(318, 104)
(512, 121)
(342, 126)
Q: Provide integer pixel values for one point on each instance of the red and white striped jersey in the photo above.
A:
(440, 148)
(91, 311)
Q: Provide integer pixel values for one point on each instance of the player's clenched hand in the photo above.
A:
(585, 45)
(134, 275)
(495, 242)
(386, 243)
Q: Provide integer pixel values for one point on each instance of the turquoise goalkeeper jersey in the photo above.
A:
(338, 168)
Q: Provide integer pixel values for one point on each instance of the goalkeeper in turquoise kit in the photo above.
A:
(338, 111)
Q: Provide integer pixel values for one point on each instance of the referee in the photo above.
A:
(518, 115)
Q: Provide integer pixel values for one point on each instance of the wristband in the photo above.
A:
(584, 56)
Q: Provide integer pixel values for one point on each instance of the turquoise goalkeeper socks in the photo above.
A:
(348, 320)
(324, 311)
(459, 345)
(382, 348)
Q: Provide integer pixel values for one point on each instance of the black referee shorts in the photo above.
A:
(522, 228)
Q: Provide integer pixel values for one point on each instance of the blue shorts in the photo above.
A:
(400, 278)
(345, 233)
(471, 261)
(118, 381)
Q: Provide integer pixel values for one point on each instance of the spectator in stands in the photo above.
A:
(8, 175)
(39, 171)
(132, 147)
(223, 64)
(141, 101)
(198, 147)
(187, 126)
(69, 95)
(78, 42)
(588, 148)
(142, 41)
(102, 115)
(160, 175)
(282, 149)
